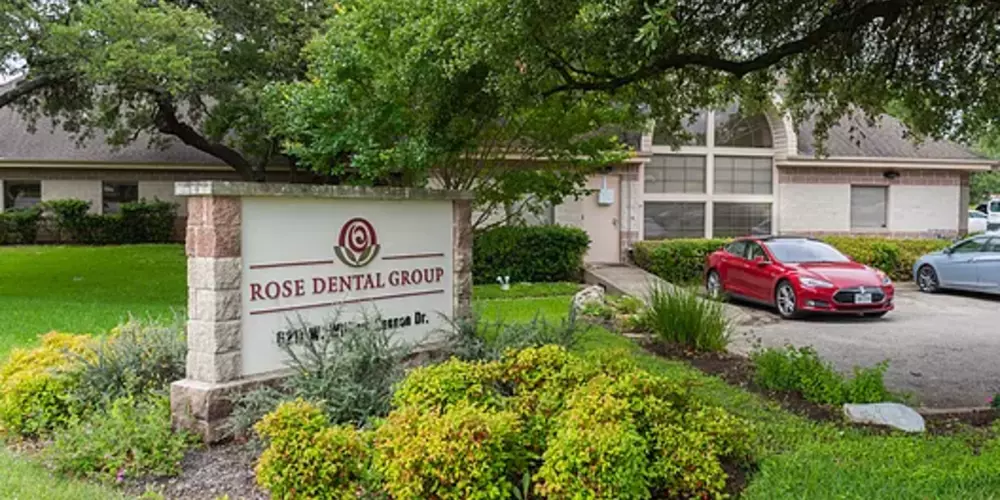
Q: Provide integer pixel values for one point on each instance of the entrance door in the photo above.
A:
(601, 221)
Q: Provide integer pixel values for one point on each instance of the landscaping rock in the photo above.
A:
(893, 415)
(586, 296)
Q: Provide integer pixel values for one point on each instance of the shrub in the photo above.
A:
(595, 452)
(147, 221)
(20, 226)
(349, 373)
(895, 257)
(529, 253)
(681, 317)
(802, 370)
(139, 222)
(626, 304)
(35, 384)
(307, 459)
(680, 261)
(477, 339)
(437, 387)
(130, 437)
(138, 358)
(463, 452)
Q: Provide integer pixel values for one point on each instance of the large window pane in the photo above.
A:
(675, 174)
(733, 129)
(868, 205)
(674, 220)
(697, 128)
(116, 193)
(742, 175)
(741, 219)
(21, 194)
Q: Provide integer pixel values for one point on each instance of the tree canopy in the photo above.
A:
(390, 88)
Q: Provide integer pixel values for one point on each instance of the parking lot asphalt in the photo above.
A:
(944, 348)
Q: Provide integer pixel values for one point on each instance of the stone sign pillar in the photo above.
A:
(270, 263)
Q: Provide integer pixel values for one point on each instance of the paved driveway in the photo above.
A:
(943, 348)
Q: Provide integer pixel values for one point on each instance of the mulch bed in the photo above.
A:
(738, 371)
(209, 473)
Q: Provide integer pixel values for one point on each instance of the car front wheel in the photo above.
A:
(713, 285)
(927, 279)
(786, 301)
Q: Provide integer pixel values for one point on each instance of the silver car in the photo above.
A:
(972, 264)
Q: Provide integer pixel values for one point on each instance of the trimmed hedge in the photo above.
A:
(138, 222)
(683, 260)
(19, 226)
(529, 254)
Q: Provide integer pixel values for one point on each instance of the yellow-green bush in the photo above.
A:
(463, 452)
(307, 458)
(893, 256)
(439, 386)
(36, 384)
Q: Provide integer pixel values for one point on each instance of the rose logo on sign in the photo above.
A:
(358, 244)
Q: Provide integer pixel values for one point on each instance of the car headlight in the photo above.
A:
(886, 281)
(815, 283)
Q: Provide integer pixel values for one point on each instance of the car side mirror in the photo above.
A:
(760, 261)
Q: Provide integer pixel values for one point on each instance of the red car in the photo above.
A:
(797, 276)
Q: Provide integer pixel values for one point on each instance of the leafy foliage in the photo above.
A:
(20, 226)
(680, 317)
(139, 222)
(130, 437)
(464, 452)
(802, 370)
(35, 384)
(306, 458)
(136, 359)
(679, 261)
(348, 372)
(529, 253)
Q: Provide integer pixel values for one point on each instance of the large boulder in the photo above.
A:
(893, 415)
(589, 295)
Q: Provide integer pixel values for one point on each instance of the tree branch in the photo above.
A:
(166, 122)
(24, 88)
(833, 24)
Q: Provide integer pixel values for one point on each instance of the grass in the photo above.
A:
(526, 290)
(85, 289)
(22, 479)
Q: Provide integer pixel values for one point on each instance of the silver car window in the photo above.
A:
(992, 246)
(970, 246)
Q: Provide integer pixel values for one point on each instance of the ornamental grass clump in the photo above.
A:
(679, 317)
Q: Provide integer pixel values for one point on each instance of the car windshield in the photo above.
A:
(795, 251)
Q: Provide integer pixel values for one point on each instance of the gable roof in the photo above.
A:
(888, 138)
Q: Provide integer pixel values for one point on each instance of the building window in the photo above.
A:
(742, 175)
(741, 219)
(733, 129)
(697, 128)
(675, 174)
(674, 220)
(868, 207)
(115, 194)
(21, 194)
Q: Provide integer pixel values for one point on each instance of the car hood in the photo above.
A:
(841, 274)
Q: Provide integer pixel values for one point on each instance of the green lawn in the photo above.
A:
(90, 289)
(85, 289)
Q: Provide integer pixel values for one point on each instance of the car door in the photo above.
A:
(731, 267)
(958, 267)
(987, 265)
(757, 274)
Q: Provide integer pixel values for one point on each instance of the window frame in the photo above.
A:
(104, 198)
(6, 191)
(647, 217)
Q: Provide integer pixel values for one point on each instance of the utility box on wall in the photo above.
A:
(606, 197)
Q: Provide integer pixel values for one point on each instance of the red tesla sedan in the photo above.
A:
(797, 276)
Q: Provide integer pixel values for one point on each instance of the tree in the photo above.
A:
(191, 69)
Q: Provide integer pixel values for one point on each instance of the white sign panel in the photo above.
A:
(314, 262)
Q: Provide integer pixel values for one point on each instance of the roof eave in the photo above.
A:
(962, 164)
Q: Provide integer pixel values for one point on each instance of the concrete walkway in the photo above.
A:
(620, 279)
